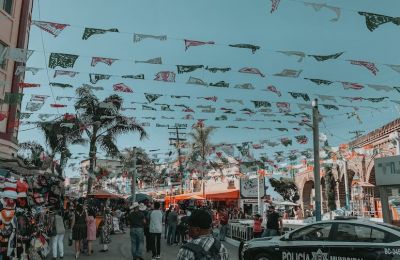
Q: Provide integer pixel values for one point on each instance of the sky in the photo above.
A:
(294, 26)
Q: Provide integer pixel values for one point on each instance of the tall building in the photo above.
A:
(15, 18)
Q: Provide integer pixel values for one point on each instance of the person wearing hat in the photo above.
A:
(274, 223)
(136, 221)
(203, 243)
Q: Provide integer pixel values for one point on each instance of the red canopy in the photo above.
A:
(102, 194)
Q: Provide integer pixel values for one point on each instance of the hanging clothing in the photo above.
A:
(106, 229)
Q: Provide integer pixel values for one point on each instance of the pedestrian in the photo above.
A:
(91, 230)
(79, 228)
(166, 221)
(106, 228)
(58, 239)
(274, 223)
(147, 236)
(257, 229)
(241, 214)
(182, 228)
(223, 221)
(172, 224)
(203, 245)
(299, 213)
(155, 229)
(136, 221)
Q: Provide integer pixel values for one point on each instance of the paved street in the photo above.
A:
(120, 248)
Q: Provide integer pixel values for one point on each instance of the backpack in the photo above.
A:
(201, 254)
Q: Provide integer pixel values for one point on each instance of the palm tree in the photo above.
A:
(30, 153)
(59, 134)
(137, 157)
(201, 146)
(103, 122)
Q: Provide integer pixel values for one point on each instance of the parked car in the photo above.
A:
(340, 239)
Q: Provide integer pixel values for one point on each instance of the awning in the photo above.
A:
(102, 194)
(223, 195)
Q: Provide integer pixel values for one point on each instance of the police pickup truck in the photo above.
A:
(344, 239)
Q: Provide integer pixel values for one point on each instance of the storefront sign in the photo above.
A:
(387, 170)
(248, 188)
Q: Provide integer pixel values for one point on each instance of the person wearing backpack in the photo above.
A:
(203, 244)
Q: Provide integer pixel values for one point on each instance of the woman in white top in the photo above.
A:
(155, 229)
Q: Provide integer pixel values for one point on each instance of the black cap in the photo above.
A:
(200, 218)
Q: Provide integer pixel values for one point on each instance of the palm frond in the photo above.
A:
(107, 144)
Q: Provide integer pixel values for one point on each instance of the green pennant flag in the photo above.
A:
(373, 21)
(62, 59)
(326, 57)
(139, 76)
(220, 84)
(60, 85)
(320, 81)
(330, 106)
(13, 98)
(252, 47)
(188, 68)
(258, 104)
(152, 97)
(286, 141)
(92, 31)
(94, 78)
(296, 95)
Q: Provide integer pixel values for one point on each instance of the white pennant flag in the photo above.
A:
(16, 54)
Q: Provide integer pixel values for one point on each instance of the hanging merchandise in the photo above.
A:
(190, 43)
(373, 21)
(63, 60)
(251, 71)
(137, 37)
(252, 47)
(289, 73)
(92, 31)
(53, 28)
(326, 57)
(300, 54)
(166, 76)
(317, 7)
(368, 65)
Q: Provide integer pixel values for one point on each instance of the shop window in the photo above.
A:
(6, 5)
(3, 61)
(317, 232)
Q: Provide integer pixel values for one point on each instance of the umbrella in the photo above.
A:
(286, 203)
(140, 197)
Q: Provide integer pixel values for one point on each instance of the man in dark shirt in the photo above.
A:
(136, 221)
(274, 223)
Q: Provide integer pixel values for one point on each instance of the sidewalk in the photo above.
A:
(120, 248)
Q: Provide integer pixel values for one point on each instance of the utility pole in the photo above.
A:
(134, 174)
(317, 180)
(178, 145)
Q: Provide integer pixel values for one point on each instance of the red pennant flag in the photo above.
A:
(28, 85)
(190, 43)
(57, 105)
(121, 87)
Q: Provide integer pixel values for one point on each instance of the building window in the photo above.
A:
(3, 61)
(6, 5)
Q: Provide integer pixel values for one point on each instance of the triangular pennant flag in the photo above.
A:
(53, 28)
(373, 21)
(317, 7)
(245, 86)
(300, 54)
(326, 57)
(289, 73)
(63, 60)
(137, 37)
(220, 84)
(190, 43)
(71, 74)
(121, 87)
(349, 85)
(152, 97)
(320, 81)
(157, 60)
(368, 65)
(188, 68)
(139, 76)
(252, 47)
(274, 90)
(196, 81)
(251, 71)
(92, 31)
(166, 76)
(94, 78)
(108, 61)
